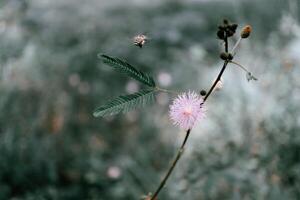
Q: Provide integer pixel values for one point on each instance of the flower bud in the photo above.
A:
(246, 31)
(226, 56)
(202, 92)
(223, 56)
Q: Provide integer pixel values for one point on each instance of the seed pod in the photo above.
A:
(220, 34)
(224, 55)
(246, 31)
(230, 33)
(233, 27)
(229, 56)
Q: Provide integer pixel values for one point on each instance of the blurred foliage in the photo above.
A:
(51, 147)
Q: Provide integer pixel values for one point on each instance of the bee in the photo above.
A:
(140, 40)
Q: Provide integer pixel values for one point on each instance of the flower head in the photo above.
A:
(186, 110)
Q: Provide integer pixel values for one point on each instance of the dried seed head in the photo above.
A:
(140, 40)
(233, 27)
(220, 34)
(227, 29)
(246, 31)
(221, 27)
(230, 32)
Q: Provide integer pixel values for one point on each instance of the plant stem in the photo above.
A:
(220, 73)
(179, 153)
(181, 149)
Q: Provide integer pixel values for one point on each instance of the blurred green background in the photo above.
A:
(51, 147)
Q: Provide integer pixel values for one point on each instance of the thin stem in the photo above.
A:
(239, 65)
(236, 45)
(179, 153)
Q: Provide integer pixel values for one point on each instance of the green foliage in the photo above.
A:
(125, 103)
(129, 102)
(124, 67)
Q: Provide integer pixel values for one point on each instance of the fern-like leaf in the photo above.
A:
(125, 103)
(126, 68)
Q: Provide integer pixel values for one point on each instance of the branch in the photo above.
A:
(179, 153)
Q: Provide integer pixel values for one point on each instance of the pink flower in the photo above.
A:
(186, 110)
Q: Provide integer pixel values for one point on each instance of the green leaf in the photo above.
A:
(124, 67)
(125, 103)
